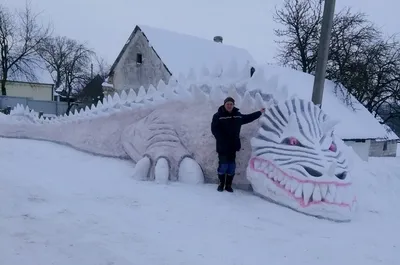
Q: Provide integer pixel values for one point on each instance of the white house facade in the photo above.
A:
(39, 87)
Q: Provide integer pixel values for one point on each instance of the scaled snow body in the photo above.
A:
(293, 158)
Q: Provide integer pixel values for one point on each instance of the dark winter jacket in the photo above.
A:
(226, 127)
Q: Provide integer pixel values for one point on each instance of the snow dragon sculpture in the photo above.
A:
(293, 158)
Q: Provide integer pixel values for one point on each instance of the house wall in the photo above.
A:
(28, 90)
(128, 74)
(378, 149)
(361, 148)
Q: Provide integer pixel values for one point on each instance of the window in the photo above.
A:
(384, 146)
(252, 70)
(139, 58)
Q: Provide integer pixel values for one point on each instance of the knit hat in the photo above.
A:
(229, 99)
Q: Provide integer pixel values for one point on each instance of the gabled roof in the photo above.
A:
(356, 122)
(93, 88)
(180, 52)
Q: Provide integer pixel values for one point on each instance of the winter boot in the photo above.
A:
(221, 182)
(228, 184)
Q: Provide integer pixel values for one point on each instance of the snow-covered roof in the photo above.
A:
(42, 75)
(354, 124)
(390, 134)
(180, 52)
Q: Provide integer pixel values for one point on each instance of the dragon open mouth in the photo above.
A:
(306, 192)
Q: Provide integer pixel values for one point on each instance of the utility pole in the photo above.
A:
(91, 71)
(323, 51)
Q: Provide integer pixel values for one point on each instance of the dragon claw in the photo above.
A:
(161, 171)
(189, 171)
(142, 169)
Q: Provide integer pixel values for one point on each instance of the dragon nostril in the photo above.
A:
(341, 176)
(313, 172)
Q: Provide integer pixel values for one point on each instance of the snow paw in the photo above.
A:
(190, 172)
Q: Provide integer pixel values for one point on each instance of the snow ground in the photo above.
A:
(94, 213)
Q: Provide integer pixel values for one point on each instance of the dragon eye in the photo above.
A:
(332, 147)
(291, 141)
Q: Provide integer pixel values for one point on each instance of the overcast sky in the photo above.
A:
(106, 25)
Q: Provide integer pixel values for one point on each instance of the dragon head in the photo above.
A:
(297, 161)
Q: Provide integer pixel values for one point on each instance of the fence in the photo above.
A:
(47, 107)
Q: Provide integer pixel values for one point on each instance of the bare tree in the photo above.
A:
(360, 58)
(102, 68)
(77, 69)
(351, 39)
(351, 34)
(301, 22)
(20, 35)
(55, 52)
(372, 76)
(69, 64)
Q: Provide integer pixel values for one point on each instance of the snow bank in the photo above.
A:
(95, 214)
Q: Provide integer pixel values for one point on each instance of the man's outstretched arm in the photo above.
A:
(247, 118)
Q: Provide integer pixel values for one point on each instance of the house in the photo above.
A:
(38, 87)
(93, 91)
(153, 54)
(386, 146)
(357, 127)
(61, 94)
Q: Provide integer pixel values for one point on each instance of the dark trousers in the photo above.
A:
(227, 164)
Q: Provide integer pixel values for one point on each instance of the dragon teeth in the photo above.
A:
(317, 194)
(314, 192)
(340, 194)
(338, 198)
(330, 196)
(257, 164)
(347, 194)
(307, 192)
(294, 186)
(332, 188)
(323, 189)
(284, 181)
(280, 177)
(288, 185)
(299, 191)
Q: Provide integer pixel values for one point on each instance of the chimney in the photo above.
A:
(218, 39)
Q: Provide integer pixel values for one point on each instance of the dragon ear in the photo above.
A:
(328, 125)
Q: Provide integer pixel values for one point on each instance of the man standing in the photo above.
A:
(225, 127)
